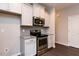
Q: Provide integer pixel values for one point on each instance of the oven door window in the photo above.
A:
(42, 43)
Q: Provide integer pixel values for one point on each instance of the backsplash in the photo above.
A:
(25, 31)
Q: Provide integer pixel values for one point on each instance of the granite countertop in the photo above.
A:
(27, 37)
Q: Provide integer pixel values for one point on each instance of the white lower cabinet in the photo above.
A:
(50, 41)
(28, 47)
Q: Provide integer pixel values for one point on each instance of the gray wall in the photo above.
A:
(62, 23)
(9, 34)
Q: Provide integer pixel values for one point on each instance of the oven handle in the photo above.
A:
(42, 38)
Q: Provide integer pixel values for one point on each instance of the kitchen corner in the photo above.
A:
(16, 25)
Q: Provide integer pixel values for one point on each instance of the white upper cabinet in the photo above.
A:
(4, 6)
(38, 10)
(42, 12)
(12, 7)
(15, 7)
(27, 14)
(47, 19)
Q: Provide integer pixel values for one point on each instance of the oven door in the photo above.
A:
(42, 43)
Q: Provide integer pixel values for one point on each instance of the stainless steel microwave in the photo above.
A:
(38, 21)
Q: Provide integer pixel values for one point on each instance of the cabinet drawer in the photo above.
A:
(30, 41)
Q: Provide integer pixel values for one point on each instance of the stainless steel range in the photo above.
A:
(42, 42)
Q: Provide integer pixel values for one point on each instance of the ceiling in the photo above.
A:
(60, 6)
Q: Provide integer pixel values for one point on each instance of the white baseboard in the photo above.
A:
(62, 43)
(66, 44)
(16, 54)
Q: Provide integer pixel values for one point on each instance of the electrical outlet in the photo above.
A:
(23, 30)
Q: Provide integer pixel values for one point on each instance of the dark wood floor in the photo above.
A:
(62, 50)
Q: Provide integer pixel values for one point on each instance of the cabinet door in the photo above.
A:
(50, 41)
(42, 12)
(36, 10)
(4, 6)
(30, 47)
(47, 19)
(27, 15)
(15, 7)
